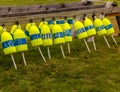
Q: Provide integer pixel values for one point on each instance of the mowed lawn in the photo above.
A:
(28, 2)
(80, 71)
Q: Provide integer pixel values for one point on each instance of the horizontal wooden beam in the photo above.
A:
(112, 14)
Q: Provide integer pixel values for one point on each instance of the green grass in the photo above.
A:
(29, 2)
(80, 71)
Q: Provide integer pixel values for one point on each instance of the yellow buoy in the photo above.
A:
(108, 26)
(70, 21)
(98, 24)
(50, 23)
(8, 44)
(15, 27)
(1, 30)
(89, 27)
(80, 30)
(20, 40)
(27, 28)
(58, 35)
(46, 35)
(35, 36)
(67, 32)
(62, 21)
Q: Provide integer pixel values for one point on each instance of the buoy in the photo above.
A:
(20, 42)
(89, 27)
(46, 37)
(67, 34)
(8, 45)
(109, 27)
(58, 37)
(50, 23)
(81, 32)
(28, 26)
(41, 23)
(36, 39)
(1, 30)
(100, 28)
(70, 21)
(15, 27)
(35, 36)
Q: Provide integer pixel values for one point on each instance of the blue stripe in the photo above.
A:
(20, 41)
(62, 21)
(7, 44)
(67, 32)
(89, 27)
(100, 28)
(50, 22)
(108, 26)
(70, 21)
(81, 30)
(46, 36)
(35, 36)
(58, 22)
(58, 35)
(26, 32)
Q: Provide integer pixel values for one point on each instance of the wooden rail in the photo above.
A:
(9, 14)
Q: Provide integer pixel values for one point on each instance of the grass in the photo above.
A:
(78, 72)
(29, 2)
(32, 2)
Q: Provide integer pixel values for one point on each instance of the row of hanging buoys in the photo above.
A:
(49, 32)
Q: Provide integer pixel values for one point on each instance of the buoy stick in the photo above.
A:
(24, 58)
(69, 48)
(41, 54)
(87, 46)
(114, 39)
(62, 51)
(94, 43)
(48, 52)
(14, 61)
(106, 41)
